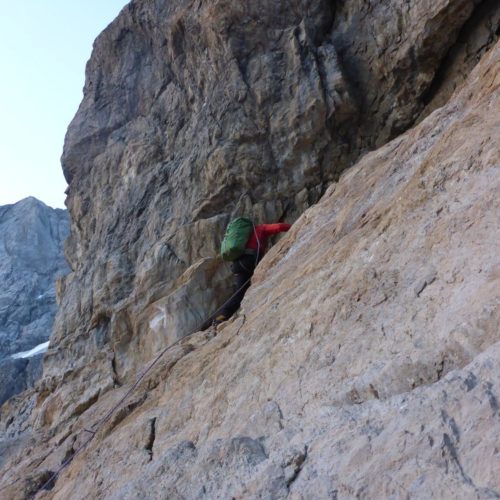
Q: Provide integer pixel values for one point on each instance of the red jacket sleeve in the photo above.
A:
(279, 227)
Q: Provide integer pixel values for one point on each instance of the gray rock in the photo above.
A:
(34, 370)
(17, 375)
(31, 259)
(12, 377)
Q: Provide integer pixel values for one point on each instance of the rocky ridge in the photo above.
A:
(31, 259)
(363, 360)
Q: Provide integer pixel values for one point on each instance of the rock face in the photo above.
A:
(363, 360)
(193, 113)
(31, 259)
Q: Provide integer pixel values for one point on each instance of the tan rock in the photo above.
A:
(364, 361)
(192, 115)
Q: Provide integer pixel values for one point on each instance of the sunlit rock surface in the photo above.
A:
(363, 362)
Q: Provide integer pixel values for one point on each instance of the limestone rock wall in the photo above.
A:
(196, 111)
(363, 360)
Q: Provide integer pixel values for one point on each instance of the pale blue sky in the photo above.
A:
(44, 46)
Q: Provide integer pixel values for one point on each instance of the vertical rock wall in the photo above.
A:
(196, 111)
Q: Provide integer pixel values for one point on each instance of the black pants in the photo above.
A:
(243, 268)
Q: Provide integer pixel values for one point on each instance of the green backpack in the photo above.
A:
(235, 240)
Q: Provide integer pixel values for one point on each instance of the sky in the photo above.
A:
(44, 46)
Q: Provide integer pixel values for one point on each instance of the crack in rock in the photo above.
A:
(294, 466)
(151, 437)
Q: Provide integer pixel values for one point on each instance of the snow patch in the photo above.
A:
(39, 349)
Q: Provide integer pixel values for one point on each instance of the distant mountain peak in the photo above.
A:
(31, 258)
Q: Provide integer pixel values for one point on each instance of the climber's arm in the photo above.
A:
(279, 227)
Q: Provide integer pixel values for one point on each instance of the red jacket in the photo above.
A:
(262, 232)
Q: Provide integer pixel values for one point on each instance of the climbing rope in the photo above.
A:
(108, 415)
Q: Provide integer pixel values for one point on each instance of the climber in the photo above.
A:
(244, 244)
